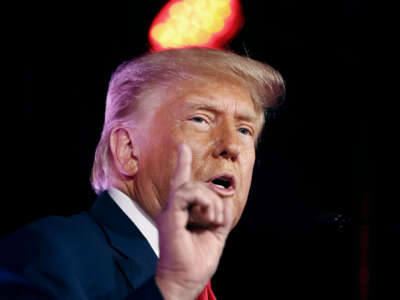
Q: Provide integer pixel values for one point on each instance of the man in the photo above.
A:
(173, 171)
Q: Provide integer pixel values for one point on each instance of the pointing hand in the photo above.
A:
(193, 228)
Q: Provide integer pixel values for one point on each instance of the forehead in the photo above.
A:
(218, 95)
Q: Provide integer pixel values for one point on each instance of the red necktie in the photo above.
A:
(207, 293)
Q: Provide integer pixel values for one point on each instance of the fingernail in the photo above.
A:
(182, 147)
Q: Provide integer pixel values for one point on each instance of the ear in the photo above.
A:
(123, 151)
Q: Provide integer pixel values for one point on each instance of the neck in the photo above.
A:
(130, 189)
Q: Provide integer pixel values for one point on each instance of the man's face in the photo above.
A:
(218, 121)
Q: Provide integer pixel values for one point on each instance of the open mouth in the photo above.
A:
(224, 183)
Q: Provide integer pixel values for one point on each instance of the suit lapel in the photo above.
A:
(137, 259)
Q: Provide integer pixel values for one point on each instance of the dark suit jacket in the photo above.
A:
(99, 254)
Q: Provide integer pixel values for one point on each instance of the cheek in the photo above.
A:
(248, 174)
(201, 146)
(247, 167)
(245, 189)
(246, 178)
(163, 170)
(156, 167)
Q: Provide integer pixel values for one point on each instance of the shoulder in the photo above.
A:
(56, 252)
(54, 236)
(65, 231)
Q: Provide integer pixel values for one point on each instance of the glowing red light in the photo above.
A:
(205, 23)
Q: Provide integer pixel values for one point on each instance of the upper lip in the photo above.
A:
(225, 176)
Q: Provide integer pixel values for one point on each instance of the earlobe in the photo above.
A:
(123, 151)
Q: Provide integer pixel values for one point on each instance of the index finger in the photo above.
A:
(183, 171)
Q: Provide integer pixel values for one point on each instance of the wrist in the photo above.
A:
(174, 290)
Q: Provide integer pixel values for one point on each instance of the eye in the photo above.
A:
(244, 131)
(198, 120)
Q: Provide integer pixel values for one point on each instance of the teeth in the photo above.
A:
(222, 182)
(220, 186)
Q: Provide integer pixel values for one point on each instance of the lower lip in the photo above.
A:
(220, 190)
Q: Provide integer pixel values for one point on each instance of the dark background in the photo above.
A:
(317, 159)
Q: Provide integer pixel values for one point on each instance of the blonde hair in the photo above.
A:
(133, 80)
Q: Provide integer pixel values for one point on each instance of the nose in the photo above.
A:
(227, 143)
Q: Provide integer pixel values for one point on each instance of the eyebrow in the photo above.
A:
(246, 116)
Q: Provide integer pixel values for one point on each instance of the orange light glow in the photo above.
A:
(203, 23)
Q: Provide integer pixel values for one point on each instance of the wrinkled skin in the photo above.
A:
(167, 160)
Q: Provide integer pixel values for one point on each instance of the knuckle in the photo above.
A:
(179, 194)
(198, 194)
(185, 186)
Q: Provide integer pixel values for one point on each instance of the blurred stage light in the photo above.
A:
(203, 23)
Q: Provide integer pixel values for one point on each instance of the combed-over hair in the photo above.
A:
(133, 80)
